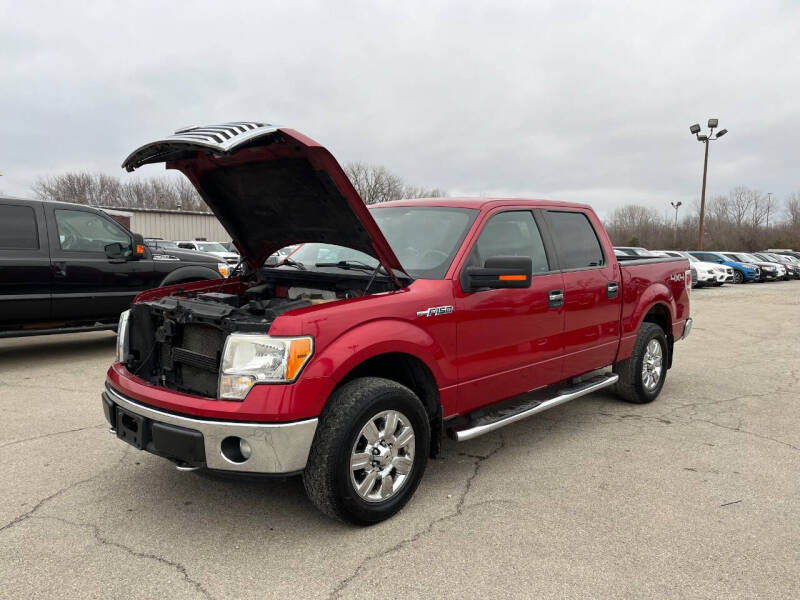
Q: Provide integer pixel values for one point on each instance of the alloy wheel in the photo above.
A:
(382, 456)
(652, 365)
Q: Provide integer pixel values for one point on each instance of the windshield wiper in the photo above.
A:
(352, 264)
(290, 262)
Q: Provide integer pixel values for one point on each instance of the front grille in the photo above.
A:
(179, 356)
(196, 360)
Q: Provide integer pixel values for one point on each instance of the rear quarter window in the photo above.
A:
(576, 240)
(18, 228)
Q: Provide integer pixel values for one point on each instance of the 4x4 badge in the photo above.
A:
(434, 311)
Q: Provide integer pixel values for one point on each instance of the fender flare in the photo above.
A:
(656, 294)
(193, 272)
(347, 351)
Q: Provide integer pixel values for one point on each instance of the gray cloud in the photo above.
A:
(569, 100)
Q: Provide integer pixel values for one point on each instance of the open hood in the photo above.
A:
(270, 187)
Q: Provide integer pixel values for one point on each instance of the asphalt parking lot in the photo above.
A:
(696, 495)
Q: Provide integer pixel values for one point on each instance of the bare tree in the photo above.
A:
(793, 211)
(736, 221)
(635, 225)
(98, 189)
(740, 204)
(375, 184)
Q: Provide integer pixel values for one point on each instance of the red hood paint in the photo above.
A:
(270, 187)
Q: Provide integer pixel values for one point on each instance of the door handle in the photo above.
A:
(59, 269)
(612, 289)
(555, 298)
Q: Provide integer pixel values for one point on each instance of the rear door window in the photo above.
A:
(576, 241)
(18, 228)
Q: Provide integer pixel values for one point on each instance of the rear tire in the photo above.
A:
(642, 376)
(358, 471)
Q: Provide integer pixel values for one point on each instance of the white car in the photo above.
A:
(632, 251)
(214, 248)
(707, 273)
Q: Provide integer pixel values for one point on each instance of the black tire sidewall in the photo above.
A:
(738, 277)
(356, 509)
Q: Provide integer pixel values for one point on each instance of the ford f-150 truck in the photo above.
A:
(387, 329)
(66, 268)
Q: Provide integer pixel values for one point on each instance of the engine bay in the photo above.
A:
(176, 341)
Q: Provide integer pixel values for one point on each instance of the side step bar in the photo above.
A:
(493, 418)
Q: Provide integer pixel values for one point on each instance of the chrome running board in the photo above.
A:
(495, 417)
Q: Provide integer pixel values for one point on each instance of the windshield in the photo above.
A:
(424, 238)
(765, 257)
(691, 258)
(160, 244)
(210, 247)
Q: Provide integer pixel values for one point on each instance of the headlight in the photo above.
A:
(223, 269)
(768, 268)
(253, 358)
(122, 337)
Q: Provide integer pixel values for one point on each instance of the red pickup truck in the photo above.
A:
(388, 328)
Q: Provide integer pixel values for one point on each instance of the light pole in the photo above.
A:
(769, 205)
(676, 206)
(705, 139)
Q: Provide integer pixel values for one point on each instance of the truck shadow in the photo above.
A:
(256, 506)
(75, 347)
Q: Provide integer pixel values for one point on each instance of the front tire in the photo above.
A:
(738, 277)
(369, 452)
(642, 376)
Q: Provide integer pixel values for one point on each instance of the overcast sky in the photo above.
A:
(583, 101)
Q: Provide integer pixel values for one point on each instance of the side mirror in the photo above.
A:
(115, 250)
(498, 272)
(138, 246)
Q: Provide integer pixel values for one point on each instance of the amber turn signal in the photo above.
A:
(299, 351)
(513, 277)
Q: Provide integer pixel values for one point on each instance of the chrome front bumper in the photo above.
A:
(275, 448)
(687, 328)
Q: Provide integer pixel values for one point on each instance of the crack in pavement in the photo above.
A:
(47, 435)
(459, 509)
(103, 541)
(738, 429)
(28, 514)
(620, 418)
(673, 410)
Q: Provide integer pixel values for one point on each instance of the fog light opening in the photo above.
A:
(235, 449)
(244, 448)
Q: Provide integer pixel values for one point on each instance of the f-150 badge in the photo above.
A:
(435, 311)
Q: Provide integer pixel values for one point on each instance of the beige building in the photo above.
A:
(170, 224)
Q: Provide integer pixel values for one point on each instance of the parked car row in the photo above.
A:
(716, 268)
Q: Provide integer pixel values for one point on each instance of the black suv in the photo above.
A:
(67, 267)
